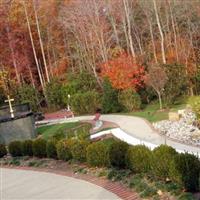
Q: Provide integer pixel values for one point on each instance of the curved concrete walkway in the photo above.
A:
(31, 185)
(140, 129)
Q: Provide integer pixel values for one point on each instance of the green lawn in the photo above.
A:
(50, 130)
(152, 113)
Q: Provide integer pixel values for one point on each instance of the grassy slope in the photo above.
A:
(151, 112)
(50, 130)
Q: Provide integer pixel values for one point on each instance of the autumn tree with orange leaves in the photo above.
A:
(123, 72)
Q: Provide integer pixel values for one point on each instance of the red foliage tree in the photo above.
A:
(123, 72)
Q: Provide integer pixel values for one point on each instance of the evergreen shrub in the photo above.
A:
(98, 154)
(51, 148)
(3, 150)
(130, 100)
(15, 148)
(39, 148)
(117, 153)
(79, 150)
(27, 148)
(164, 162)
(63, 148)
(188, 166)
(139, 159)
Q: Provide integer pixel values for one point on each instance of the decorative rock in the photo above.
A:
(181, 112)
(182, 130)
(159, 192)
(173, 116)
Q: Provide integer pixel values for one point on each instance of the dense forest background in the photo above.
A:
(112, 54)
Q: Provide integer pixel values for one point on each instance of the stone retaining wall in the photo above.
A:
(17, 129)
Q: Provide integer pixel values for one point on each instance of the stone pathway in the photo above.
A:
(58, 185)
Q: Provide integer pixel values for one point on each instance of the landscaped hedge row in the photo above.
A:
(3, 150)
(162, 163)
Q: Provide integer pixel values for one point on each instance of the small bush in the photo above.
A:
(80, 101)
(110, 103)
(39, 148)
(51, 148)
(59, 135)
(79, 150)
(194, 102)
(3, 150)
(64, 149)
(186, 196)
(117, 153)
(164, 162)
(135, 180)
(118, 175)
(27, 148)
(130, 100)
(139, 158)
(189, 168)
(148, 192)
(97, 154)
(15, 162)
(15, 148)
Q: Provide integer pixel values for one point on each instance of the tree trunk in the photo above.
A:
(160, 100)
(161, 32)
(174, 31)
(33, 47)
(13, 55)
(153, 43)
(127, 13)
(41, 44)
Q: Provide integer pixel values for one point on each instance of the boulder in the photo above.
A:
(173, 116)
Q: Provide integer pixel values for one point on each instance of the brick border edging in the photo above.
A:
(114, 187)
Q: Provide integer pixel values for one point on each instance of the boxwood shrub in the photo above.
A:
(63, 148)
(79, 150)
(98, 154)
(164, 162)
(3, 150)
(15, 148)
(39, 148)
(189, 168)
(27, 148)
(51, 148)
(117, 153)
(139, 159)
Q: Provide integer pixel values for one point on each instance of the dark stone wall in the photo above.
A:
(17, 129)
(5, 110)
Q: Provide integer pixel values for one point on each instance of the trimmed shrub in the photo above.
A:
(51, 148)
(79, 102)
(194, 102)
(15, 148)
(139, 159)
(79, 150)
(110, 102)
(63, 148)
(97, 154)
(130, 100)
(164, 162)
(3, 150)
(39, 148)
(189, 168)
(59, 135)
(27, 148)
(117, 153)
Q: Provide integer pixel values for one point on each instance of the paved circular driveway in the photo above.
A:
(31, 185)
